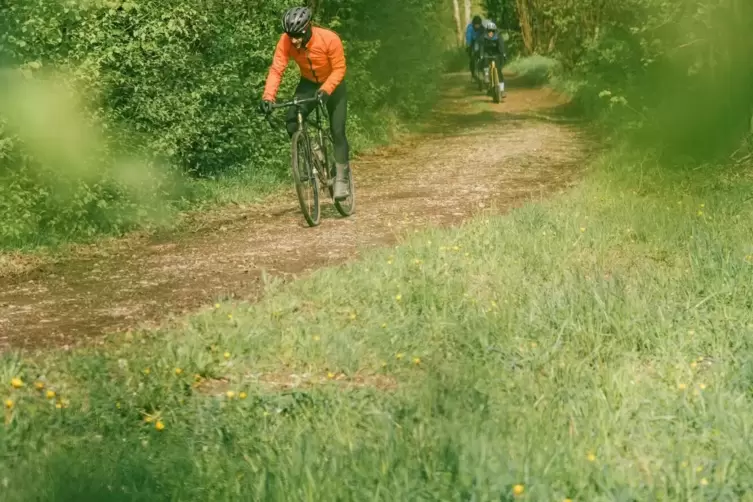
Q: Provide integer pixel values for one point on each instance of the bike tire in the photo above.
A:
(306, 181)
(496, 93)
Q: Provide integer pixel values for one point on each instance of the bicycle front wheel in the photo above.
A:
(306, 181)
(496, 92)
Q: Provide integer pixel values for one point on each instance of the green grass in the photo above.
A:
(594, 347)
(533, 70)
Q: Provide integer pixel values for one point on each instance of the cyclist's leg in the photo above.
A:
(337, 106)
(305, 89)
(471, 61)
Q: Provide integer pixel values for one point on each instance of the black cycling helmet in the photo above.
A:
(476, 20)
(295, 20)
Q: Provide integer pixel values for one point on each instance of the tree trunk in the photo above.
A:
(467, 12)
(458, 22)
(524, 17)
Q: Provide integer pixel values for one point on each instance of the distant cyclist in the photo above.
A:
(492, 44)
(321, 59)
(472, 35)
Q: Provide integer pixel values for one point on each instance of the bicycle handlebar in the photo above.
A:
(295, 102)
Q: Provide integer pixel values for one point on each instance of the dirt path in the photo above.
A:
(475, 156)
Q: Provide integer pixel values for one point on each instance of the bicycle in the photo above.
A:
(313, 162)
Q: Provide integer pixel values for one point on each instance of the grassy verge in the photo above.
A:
(595, 347)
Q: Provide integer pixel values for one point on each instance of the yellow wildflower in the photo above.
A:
(9, 404)
(178, 371)
(160, 425)
(230, 394)
(591, 457)
(227, 355)
(39, 385)
(17, 383)
(682, 386)
(50, 394)
(704, 482)
(518, 490)
(399, 355)
(398, 298)
(316, 338)
(330, 375)
(147, 371)
(242, 395)
(416, 361)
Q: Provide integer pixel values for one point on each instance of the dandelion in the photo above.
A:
(316, 338)
(146, 371)
(582, 229)
(693, 365)
(416, 361)
(178, 371)
(330, 375)
(230, 316)
(591, 457)
(50, 394)
(456, 248)
(682, 386)
(160, 425)
(417, 261)
(384, 325)
(398, 298)
(702, 386)
(216, 305)
(399, 355)
(567, 500)
(227, 355)
(9, 404)
(353, 316)
(518, 490)
(230, 394)
(384, 364)
(59, 405)
(704, 482)
(242, 395)
(700, 213)
(39, 385)
(16, 383)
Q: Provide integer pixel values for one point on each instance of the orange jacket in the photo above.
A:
(322, 60)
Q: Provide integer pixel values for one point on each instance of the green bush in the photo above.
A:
(176, 83)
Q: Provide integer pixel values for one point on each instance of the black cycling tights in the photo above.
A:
(337, 106)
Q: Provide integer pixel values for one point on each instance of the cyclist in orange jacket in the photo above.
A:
(320, 57)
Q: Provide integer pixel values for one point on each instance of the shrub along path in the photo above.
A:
(472, 156)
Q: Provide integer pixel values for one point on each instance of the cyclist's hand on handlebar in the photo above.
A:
(322, 96)
(265, 107)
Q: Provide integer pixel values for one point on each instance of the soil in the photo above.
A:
(472, 156)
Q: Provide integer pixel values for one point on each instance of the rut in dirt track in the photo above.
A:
(475, 156)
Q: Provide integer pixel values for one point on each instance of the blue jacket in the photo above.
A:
(471, 35)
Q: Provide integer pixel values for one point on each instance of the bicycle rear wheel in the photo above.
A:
(306, 182)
